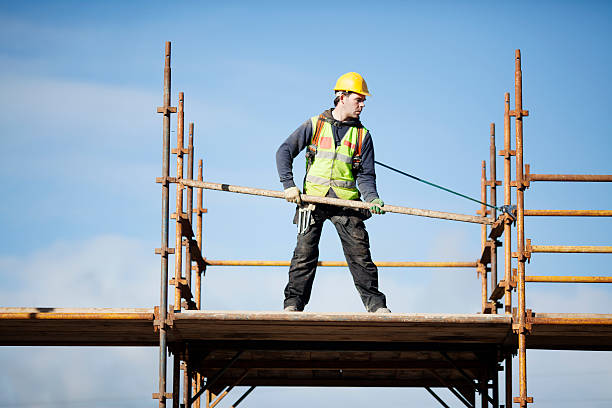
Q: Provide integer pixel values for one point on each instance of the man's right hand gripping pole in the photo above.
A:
(292, 194)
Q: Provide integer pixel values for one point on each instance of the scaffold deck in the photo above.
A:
(315, 349)
(135, 327)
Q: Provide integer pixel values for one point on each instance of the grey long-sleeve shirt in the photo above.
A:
(301, 138)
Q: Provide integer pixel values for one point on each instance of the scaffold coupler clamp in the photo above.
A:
(510, 210)
(305, 218)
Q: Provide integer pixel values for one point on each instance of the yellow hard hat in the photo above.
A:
(352, 82)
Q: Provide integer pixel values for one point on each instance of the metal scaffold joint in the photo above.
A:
(157, 322)
(523, 400)
(160, 397)
(166, 110)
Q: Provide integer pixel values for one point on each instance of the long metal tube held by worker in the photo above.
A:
(337, 202)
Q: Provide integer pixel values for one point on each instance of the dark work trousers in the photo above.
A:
(356, 246)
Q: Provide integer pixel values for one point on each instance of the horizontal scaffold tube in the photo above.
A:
(568, 213)
(571, 177)
(337, 202)
(212, 262)
(571, 249)
(569, 279)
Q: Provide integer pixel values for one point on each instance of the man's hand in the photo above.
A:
(377, 205)
(292, 194)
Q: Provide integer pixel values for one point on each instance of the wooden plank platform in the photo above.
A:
(77, 327)
(315, 349)
(393, 327)
(570, 331)
(343, 349)
(135, 327)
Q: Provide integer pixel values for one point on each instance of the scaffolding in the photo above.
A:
(216, 351)
(513, 279)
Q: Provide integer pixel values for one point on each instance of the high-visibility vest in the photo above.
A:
(332, 166)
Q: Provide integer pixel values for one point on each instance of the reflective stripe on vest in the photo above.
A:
(327, 182)
(332, 166)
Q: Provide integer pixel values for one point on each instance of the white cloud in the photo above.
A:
(105, 271)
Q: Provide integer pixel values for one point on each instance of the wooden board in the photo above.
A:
(394, 327)
(135, 327)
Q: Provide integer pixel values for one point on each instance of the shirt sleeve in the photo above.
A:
(289, 149)
(366, 177)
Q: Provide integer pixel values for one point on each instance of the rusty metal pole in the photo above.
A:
(199, 212)
(593, 178)
(198, 278)
(178, 251)
(209, 397)
(521, 185)
(568, 213)
(166, 110)
(189, 209)
(495, 383)
(482, 386)
(176, 380)
(337, 202)
(186, 382)
(483, 233)
(507, 153)
(493, 193)
(196, 387)
(508, 373)
(380, 264)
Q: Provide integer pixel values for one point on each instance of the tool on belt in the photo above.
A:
(305, 218)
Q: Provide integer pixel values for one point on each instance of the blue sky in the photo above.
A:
(82, 147)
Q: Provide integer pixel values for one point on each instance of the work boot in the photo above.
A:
(382, 310)
(291, 308)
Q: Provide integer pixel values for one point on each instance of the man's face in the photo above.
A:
(354, 104)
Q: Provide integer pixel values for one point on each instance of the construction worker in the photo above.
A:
(339, 156)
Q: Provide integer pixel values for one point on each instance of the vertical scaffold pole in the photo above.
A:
(189, 209)
(166, 110)
(178, 251)
(507, 153)
(186, 381)
(508, 378)
(176, 380)
(199, 212)
(518, 114)
(187, 372)
(493, 193)
(482, 269)
(198, 278)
